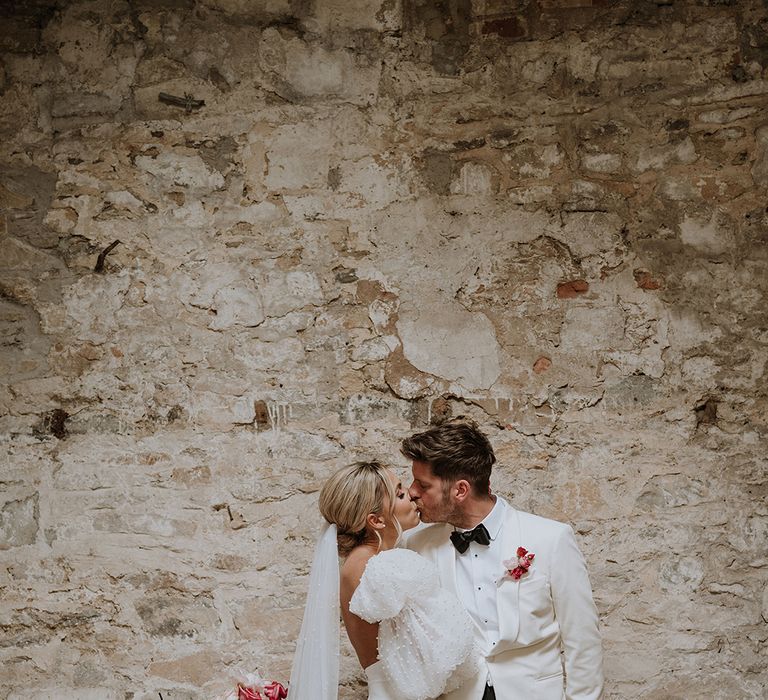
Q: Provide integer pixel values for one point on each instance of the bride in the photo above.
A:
(413, 638)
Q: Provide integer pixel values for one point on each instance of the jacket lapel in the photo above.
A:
(446, 564)
(511, 538)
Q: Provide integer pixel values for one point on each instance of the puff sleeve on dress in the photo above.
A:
(425, 635)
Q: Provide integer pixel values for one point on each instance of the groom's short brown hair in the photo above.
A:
(456, 449)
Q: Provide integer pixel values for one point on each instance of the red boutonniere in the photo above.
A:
(519, 566)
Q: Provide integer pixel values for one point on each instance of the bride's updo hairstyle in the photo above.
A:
(351, 495)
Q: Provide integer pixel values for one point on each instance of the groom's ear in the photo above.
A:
(463, 490)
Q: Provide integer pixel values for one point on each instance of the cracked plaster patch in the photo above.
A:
(444, 339)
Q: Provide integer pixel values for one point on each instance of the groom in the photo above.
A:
(521, 577)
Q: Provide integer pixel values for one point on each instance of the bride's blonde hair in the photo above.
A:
(351, 495)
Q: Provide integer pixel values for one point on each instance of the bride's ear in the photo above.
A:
(375, 521)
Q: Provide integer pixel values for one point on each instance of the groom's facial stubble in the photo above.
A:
(429, 494)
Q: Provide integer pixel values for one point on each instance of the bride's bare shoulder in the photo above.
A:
(353, 567)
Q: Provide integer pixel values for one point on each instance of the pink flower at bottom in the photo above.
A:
(275, 691)
(244, 693)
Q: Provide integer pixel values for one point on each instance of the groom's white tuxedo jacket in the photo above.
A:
(549, 610)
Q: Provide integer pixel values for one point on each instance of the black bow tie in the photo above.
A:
(461, 540)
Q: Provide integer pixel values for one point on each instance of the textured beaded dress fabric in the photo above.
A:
(425, 636)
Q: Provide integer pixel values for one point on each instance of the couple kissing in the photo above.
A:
(481, 602)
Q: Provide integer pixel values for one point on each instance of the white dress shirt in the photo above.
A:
(477, 573)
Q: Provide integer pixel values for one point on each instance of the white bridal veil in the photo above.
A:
(315, 672)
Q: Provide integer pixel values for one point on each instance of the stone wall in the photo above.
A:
(547, 214)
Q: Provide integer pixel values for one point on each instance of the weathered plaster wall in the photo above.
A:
(549, 214)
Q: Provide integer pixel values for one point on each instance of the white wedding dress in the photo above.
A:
(425, 635)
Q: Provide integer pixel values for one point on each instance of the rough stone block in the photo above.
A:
(19, 522)
(536, 162)
(194, 669)
(681, 573)
(706, 237)
(299, 156)
(474, 179)
(337, 16)
(186, 170)
(236, 306)
(306, 70)
(601, 162)
(585, 234)
(70, 104)
(660, 157)
(171, 613)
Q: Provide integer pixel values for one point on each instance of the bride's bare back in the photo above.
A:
(363, 635)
